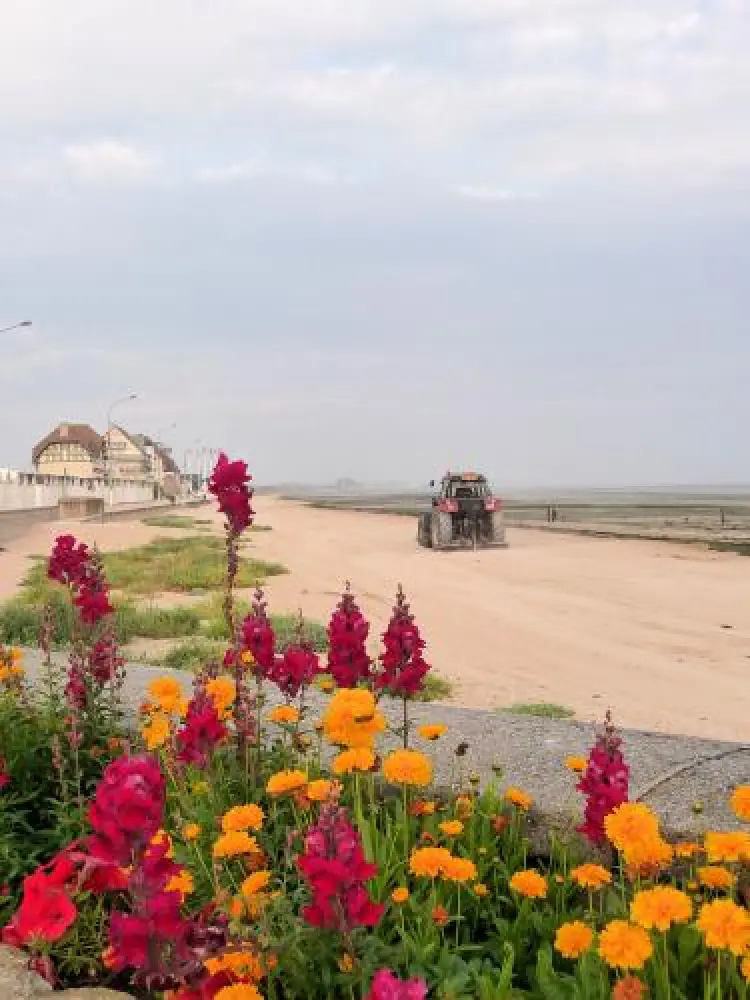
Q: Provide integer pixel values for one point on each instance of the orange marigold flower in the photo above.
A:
(459, 870)
(728, 847)
(319, 790)
(576, 763)
(440, 915)
(231, 845)
(629, 988)
(356, 759)
(182, 883)
(725, 925)
(162, 839)
(191, 831)
(687, 849)
(156, 732)
(222, 691)
(422, 808)
(400, 895)
(247, 817)
(407, 767)
(241, 963)
(255, 883)
(745, 968)
(238, 991)
(429, 861)
(660, 907)
(625, 946)
(529, 883)
(480, 889)
(346, 964)
(519, 798)
(715, 877)
(573, 939)
(284, 715)
(590, 876)
(284, 782)
(630, 826)
(464, 806)
(452, 827)
(352, 718)
(166, 692)
(433, 731)
(740, 802)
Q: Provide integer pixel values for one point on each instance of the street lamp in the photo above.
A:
(117, 402)
(16, 326)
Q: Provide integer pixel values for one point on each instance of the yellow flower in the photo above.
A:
(452, 827)
(590, 876)
(352, 718)
(346, 964)
(529, 883)
(255, 883)
(480, 889)
(407, 767)
(166, 692)
(284, 715)
(625, 946)
(576, 764)
(248, 817)
(400, 895)
(714, 877)
(182, 883)
(319, 790)
(222, 691)
(433, 731)
(740, 802)
(156, 733)
(728, 847)
(191, 831)
(239, 991)
(230, 845)
(459, 870)
(660, 907)
(284, 782)
(429, 861)
(247, 658)
(356, 759)
(201, 787)
(518, 798)
(725, 925)
(573, 939)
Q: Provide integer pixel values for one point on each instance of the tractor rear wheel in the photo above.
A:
(498, 529)
(441, 530)
(423, 531)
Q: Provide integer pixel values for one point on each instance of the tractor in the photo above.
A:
(465, 514)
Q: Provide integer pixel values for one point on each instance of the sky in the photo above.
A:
(382, 238)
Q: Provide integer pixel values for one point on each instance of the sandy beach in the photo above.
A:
(659, 632)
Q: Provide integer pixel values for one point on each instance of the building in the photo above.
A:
(126, 458)
(70, 450)
(164, 470)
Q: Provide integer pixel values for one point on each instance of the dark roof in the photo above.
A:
(168, 463)
(77, 433)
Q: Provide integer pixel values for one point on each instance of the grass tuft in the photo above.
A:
(539, 709)
(436, 688)
(176, 521)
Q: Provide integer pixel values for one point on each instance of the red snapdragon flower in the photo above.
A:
(128, 808)
(348, 660)
(604, 782)
(258, 636)
(403, 668)
(228, 483)
(201, 731)
(386, 986)
(93, 604)
(335, 868)
(104, 660)
(46, 910)
(68, 562)
(297, 668)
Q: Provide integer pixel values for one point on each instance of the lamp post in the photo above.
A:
(117, 402)
(16, 326)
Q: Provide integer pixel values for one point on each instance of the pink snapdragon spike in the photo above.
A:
(386, 986)
(605, 782)
(348, 661)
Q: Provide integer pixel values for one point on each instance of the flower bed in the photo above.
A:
(225, 855)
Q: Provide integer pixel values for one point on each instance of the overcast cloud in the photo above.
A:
(376, 238)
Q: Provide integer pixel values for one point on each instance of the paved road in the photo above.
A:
(530, 752)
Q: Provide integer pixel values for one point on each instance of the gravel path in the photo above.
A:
(687, 780)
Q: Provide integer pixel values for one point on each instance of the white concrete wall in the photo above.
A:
(29, 495)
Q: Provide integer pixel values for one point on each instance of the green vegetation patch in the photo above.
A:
(177, 521)
(540, 709)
